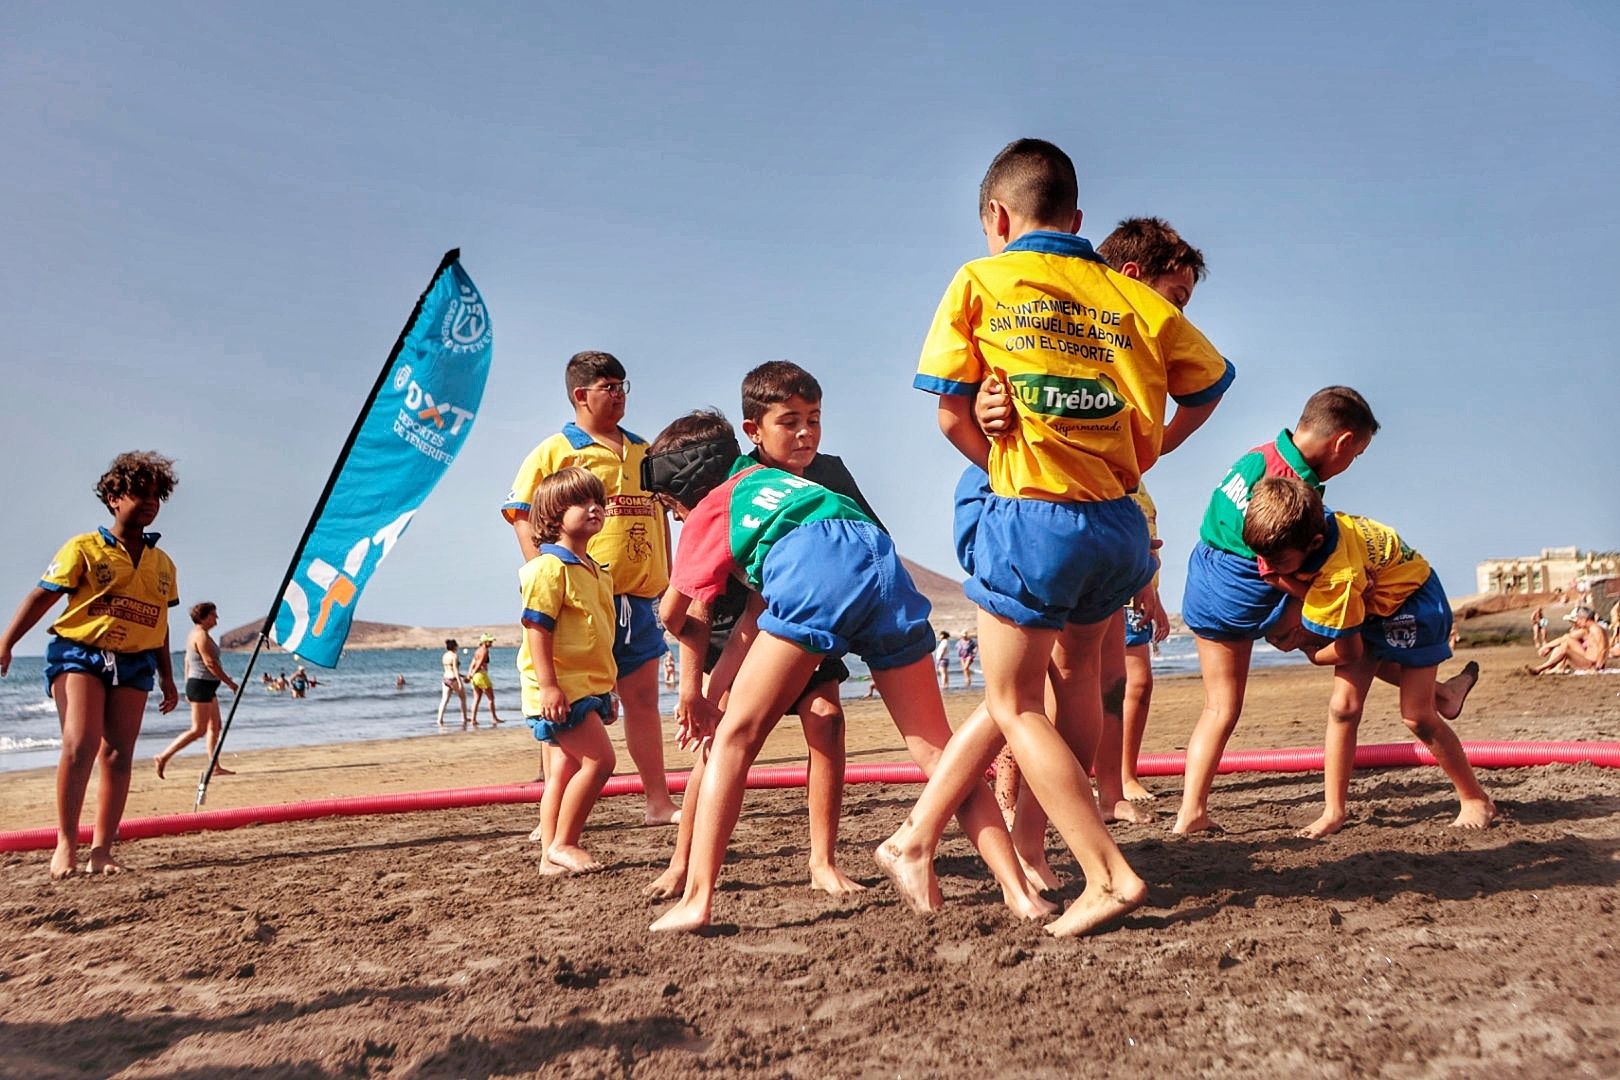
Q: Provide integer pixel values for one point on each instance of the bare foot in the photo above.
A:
(65, 861)
(1186, 826)
(1127, 811)
(102, 862)
(830, 879)
(688, 915)
(535, 835)
(1039, 872)
(573, 858)
(1135, 792)
(1475, 814)
(667, 814)
(160, 761)
(1098, 906)
(550, 869)
(1450, 695)
(666, 886)
(220, 770)
(1326, 825)
(1029, 904)
(912, 875)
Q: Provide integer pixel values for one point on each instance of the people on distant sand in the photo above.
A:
(453, 682)
(669, 670)
(942, 659)
(204, 674)
(478, 675)
(1584, 648)
(108, 647)
(967, 651)
(1538, 627)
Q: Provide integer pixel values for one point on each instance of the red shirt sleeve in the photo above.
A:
(703, 563)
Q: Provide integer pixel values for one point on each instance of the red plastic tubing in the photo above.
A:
(1485, 755)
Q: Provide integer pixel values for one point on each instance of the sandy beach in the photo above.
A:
(425, 944)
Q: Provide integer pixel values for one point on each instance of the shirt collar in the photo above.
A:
(149, 539)
(743, 464)
(579, 438)
(1052, 242)
(1296, 461)
(562, 553)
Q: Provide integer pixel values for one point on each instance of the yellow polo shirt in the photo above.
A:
(571, 598)
(1370, 571)
(112, 603)
(632, 544)
(1088, 356)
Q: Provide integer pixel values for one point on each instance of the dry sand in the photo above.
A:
(426, 944)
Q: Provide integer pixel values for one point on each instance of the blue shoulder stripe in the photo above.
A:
(1327, 632)
(1209, 393)
(933, 384)
(538, 619)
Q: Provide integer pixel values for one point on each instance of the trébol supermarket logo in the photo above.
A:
(466, 323)
(1074, 399)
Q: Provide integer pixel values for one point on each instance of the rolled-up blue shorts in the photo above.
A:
(1138, 628)
(548, 730)
(637, 637)
(1043, 564)
(971, 492)
(834, 587)
(1418, 634)
(1225, 599)
(134, 670)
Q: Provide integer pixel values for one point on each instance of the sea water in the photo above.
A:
(358, 700)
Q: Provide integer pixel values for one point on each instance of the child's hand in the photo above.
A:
(553, 706)
(696, 718)
(993, 407)
(171, 696)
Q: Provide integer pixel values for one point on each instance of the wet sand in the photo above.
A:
(426, 944)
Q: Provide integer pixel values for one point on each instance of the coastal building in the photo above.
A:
(1554, 570)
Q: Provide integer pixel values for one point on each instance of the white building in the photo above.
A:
(1554, 570)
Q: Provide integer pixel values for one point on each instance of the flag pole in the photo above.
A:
(314, 518)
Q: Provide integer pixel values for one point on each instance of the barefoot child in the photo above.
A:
(830, 583)
(105, 650)
(566, 661)
(1059, 546)
(781, 405)
(633, 546)
(1367, 599)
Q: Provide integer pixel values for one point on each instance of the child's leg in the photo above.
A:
(644, 738)
(1138, 699)
(1007, 783)
(672, 882)
(1106, 764)
(1449, 695)
(119, 732)
(590, 756)
(1418, 710)
(1029, 820)
(81, 706)
(559, 770)
(919, 715)
(771, 676)
(1350, 685)
(1224, 666)
(823, 720)
(1015, 661)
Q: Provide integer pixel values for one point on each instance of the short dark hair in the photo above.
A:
(1035, 178)
(1284, 514)
(772, 383)
(1333, 409)
(137, 472)
(584, 368)
(1152, 244)
(555, 493)
(449, 643)
(201, 611)
(693, 429)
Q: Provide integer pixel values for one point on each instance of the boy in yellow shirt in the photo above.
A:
(105, 650)
(566, 661)
(633, 545)
(1368, 600)
(1090, 356)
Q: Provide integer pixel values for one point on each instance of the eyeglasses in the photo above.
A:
(617, 389)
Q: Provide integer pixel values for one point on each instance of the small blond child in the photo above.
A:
(1368, 599)
(566, 662)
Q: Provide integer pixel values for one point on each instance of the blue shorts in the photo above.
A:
(834, 587)
(548, 730)
(1225, 599)
(1418, 634)
(1138, 628)
(637, 638)
(135, 670)
(1044, 564)
(971, 492)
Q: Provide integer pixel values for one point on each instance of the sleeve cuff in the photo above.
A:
(55, 586)
(1326, 631)
(539, 620)
(510, 510)
(933, 384)
(1209, 393)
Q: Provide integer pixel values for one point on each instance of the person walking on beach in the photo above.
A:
(1538, 627)
(967, 651)
(204, 674)
(478, 675)
(453, 684)
(942, 659)
(107, 648)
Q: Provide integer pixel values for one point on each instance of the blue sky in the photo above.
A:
(220, 214)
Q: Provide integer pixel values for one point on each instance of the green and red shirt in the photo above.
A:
(1223, 520)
